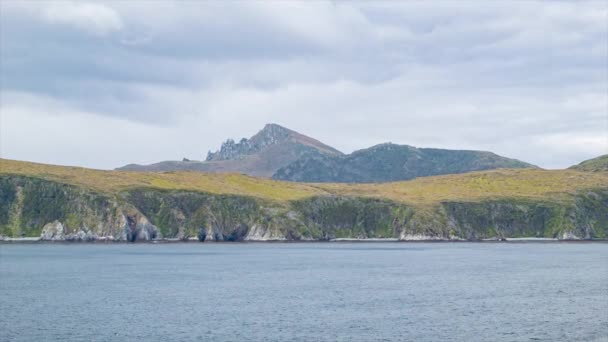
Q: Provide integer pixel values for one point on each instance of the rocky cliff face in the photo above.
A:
(585, 218)
(31, 207)
(54, 211)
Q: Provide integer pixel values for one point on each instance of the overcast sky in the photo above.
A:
(103, 84)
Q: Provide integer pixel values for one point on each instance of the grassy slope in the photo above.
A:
(594, 165)
(475, 186)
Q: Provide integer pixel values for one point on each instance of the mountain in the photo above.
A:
(271, 136)
(390, 162)
(594, 165)
(71, 203)
(280, 153)
(262, 155)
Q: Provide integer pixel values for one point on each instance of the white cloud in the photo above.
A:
(93, 17)
(523, 79)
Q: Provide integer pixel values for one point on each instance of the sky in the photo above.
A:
(107, 83)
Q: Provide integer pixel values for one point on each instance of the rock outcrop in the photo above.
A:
(52, 231)
(271, 134)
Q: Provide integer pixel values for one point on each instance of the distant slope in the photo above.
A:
(390, 162)
(594, 165)
(71, 203)
(262, 155)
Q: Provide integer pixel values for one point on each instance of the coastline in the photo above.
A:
(31, 240)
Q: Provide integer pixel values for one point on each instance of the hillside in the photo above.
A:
(262, 155)
(77, 203)
(390, 162)
(593, 165)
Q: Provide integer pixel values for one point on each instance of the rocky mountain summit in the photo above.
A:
(270, 135)
(262, 155)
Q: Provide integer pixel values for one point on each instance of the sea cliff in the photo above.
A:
(58, 207)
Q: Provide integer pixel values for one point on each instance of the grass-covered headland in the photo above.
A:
(74, 203)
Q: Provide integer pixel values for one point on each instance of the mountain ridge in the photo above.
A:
(281, 153)
(392, 162)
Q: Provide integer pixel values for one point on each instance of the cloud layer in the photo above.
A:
(108, 83)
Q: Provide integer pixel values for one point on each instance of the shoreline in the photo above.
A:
(337, 241)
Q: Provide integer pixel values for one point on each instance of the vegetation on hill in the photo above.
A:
(529, 183)
(135, 205)
(390, 162)
(593, 165)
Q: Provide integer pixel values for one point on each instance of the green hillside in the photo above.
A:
(593, 165)
(391, 162)
(139, 206)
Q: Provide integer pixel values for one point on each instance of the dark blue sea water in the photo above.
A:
(304, 292)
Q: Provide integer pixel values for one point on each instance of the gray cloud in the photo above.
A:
(119, 82)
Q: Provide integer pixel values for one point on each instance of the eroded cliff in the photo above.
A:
(52, 210)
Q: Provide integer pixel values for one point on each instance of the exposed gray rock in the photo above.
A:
(56, 231)
(141, 229)
(81, 235)
(53, 231)
(260, 233)
(569, 236)
(272, 134)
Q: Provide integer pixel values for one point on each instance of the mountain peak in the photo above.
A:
(272, 134)
(275, 127)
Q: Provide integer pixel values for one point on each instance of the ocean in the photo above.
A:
(304, 292)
